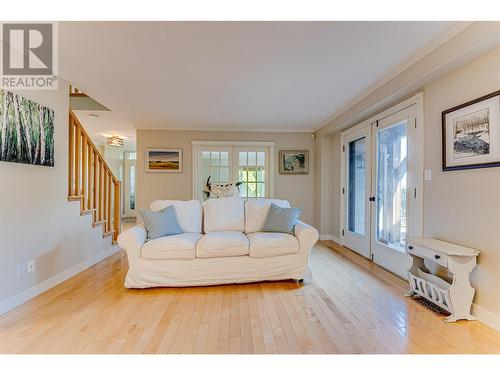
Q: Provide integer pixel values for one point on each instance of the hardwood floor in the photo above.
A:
(350, 306)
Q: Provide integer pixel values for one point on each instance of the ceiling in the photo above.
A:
(240, 76)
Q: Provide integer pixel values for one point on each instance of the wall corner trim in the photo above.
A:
(11, 303)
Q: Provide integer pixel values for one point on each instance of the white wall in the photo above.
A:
(459, 206)
(298, 189)
(37, 221)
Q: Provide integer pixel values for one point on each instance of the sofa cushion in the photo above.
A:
(281, 219)
(179, 246)
(224, 214)
(188, 213)
(256, 211)
(161, 223)
(265, 245)
(222, 244)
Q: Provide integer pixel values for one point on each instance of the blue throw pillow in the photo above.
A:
(161, 223)
(281, 219)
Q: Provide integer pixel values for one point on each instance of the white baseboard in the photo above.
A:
(12, 302)
(330, 237)
(486, 316)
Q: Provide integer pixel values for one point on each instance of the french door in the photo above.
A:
(249, 163)
(357, 190)
(380, 181)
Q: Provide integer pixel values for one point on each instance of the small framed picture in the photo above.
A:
(166, 160)
(471, 134)
(294, 161)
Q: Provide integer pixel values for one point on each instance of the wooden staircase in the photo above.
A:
(91, 181)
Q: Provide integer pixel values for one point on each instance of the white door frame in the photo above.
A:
(415, 217)
(197, 145)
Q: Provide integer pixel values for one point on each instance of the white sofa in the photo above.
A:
(231, 249)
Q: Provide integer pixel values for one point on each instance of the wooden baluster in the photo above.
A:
(71, 154)
(109, 201)
(84, 174)
(91, 175)
(94, 184)
(77, 159)
(105, 206)
(101, 188)
(117, 218)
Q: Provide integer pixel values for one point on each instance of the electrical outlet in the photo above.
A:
(31, 266)
(21, 270)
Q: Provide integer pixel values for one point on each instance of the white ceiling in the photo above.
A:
(107, 124)
(262, 76)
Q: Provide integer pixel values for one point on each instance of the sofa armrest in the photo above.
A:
(307, 235)
(132, 240)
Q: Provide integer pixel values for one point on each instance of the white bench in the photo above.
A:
(456, 297)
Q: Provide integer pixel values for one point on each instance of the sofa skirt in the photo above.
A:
(147, 273)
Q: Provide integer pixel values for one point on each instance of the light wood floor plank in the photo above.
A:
(350, 305)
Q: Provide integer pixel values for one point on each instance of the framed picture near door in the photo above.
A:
(294, 162)
(471, 134)
(163, 160)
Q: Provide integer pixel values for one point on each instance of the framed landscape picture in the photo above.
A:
(166, 160)
(471, 134)
(294, 161)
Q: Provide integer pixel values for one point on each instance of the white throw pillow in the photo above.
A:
(188, 213)
(256, 211)
(221, 214)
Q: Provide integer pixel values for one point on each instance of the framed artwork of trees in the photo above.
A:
(26, 131)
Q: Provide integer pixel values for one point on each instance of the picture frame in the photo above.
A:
(26, 131)
(471, 134)
(293, 162)
(163, 160)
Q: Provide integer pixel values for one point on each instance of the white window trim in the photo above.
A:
(196, 145)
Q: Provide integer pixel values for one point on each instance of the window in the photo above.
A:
(230, 162)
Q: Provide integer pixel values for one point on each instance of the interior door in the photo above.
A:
(130, 184)
(393, 164)
(356, 190)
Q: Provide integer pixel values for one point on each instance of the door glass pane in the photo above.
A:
(224, 159)
(224, 175)
(132, 187)
(357, 186)
(391, 185)
(252, 190)
(261, 190)
(252, 159)
(261, 158)
(214, 158)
